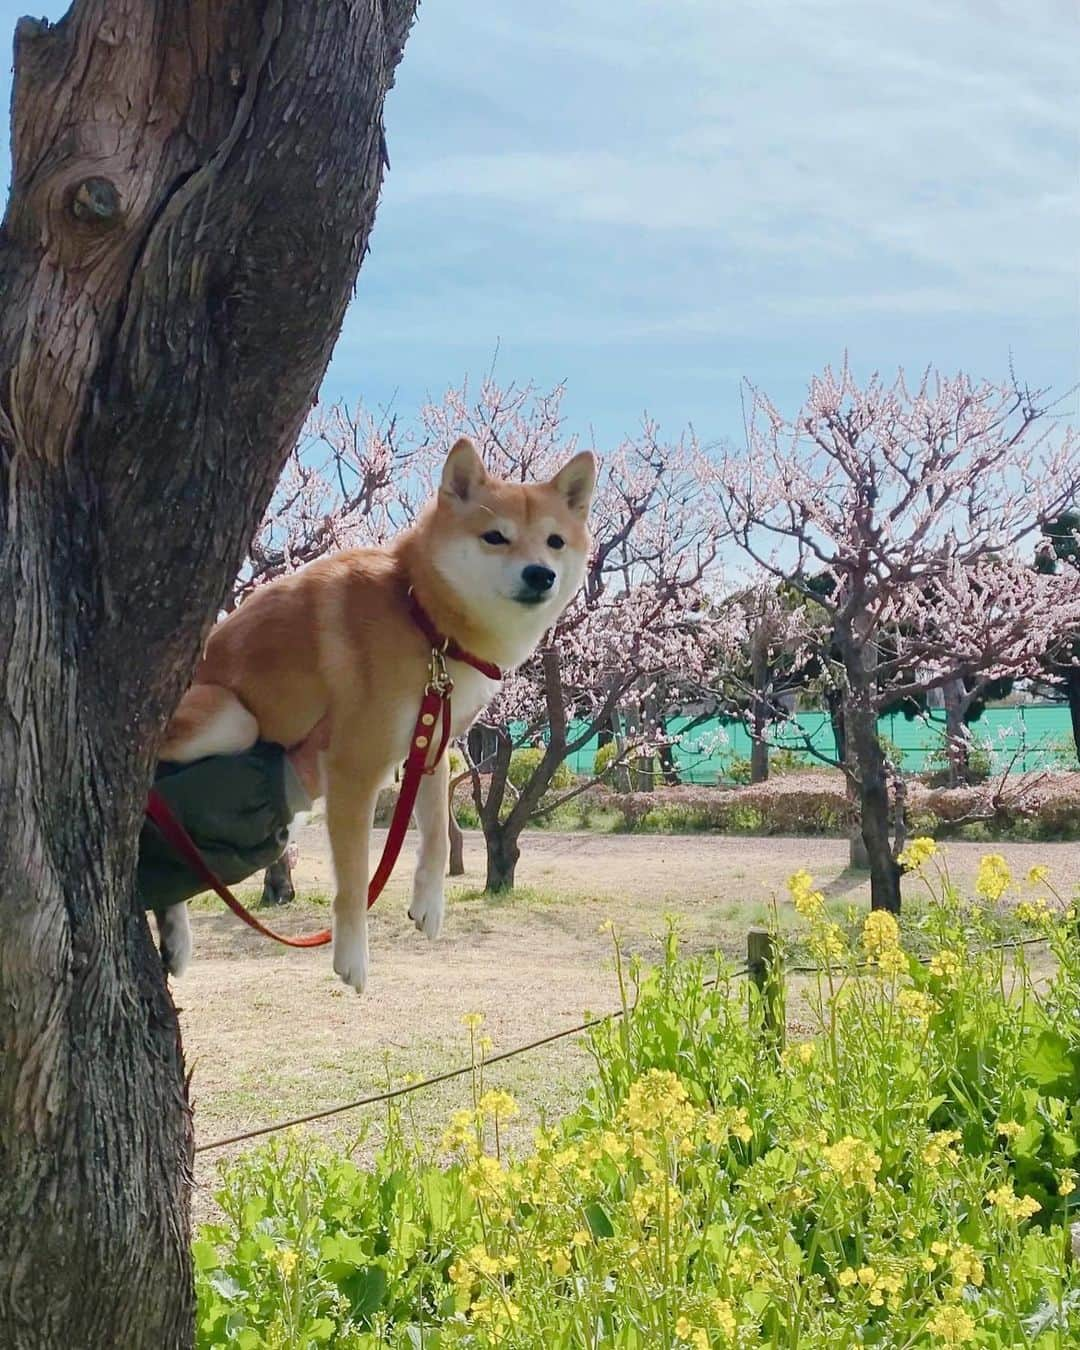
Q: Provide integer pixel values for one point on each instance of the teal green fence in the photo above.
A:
(1029, 736)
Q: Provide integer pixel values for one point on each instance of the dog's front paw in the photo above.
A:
(174, 933)
(351, 953)
(428, 908)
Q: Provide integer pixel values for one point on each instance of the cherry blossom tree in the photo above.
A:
(758, 676)
(910, 502)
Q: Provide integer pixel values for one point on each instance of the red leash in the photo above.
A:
(434, 709)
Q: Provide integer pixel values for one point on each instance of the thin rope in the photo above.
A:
(445, 1077)
(393, 1093)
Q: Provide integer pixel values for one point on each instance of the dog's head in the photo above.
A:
(513, 553)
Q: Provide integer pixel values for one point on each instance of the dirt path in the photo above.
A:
(271, 1033)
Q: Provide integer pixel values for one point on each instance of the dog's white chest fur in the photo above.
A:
(472, 693)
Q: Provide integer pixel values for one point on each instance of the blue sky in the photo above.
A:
(651, 201)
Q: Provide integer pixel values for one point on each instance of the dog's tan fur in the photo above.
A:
(335, 641)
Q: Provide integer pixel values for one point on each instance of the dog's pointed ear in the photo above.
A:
(576, 482)
(463, 471)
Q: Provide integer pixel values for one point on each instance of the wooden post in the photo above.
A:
(763, 965)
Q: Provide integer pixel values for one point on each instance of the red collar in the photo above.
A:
(447, 646)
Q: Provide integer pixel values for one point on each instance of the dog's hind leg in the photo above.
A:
(433, 823)
(210, 720)
(174, 938)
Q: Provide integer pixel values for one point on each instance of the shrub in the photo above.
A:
(524, 763)
(736, 769)
(605, 756)
(974, 832)
(980, 761)
(926, 823)
(783, 762)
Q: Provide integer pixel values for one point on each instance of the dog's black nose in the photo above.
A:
(538, 578)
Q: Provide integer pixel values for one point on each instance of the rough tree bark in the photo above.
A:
(192, 191)
(1072, 693)
(957, 700)
(456, 866)
(759, 705)
(278, 888)
(865, 764)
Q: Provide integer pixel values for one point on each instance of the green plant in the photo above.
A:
(974, 832)
(465, 813)
(524, 763)
(980, 761)
(905, 1175)
(927, 823)
(604, 758)
(782, 762)
(736, 769)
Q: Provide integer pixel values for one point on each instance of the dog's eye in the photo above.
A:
(556, 541)
(494, 537)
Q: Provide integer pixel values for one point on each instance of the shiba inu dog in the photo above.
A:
(493, 564)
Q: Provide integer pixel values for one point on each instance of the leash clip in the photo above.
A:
(439, 681)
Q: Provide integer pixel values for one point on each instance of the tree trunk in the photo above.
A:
(669, 767)
(278, 886)
(759, 756)
(193, 188)
(957, 737)
(1072, 692)
(457, 842)
(502, 859)
(834, 701)
(866, 764)
(759, 704)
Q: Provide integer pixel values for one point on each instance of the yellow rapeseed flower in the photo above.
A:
(853, 1160)
(1034, 911)
(915, 1005)
(809, 904)
(939, 1148)
(1039, 874)
(1008, 1129)
(946, 965)
(826, 942)
(498, 1103)
(722, 1315)
(658, 1103)
(994, 877)
(730, 1121)
(1015, 1206)
(285, 1259)
(918, 852)
(951, 1325)
(1066, 1181)
(965, 1266)
(880, 930)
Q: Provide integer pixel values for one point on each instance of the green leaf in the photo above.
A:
(1048, 1063)
(599, 1223)
(366, 1291)
(205, 1254)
